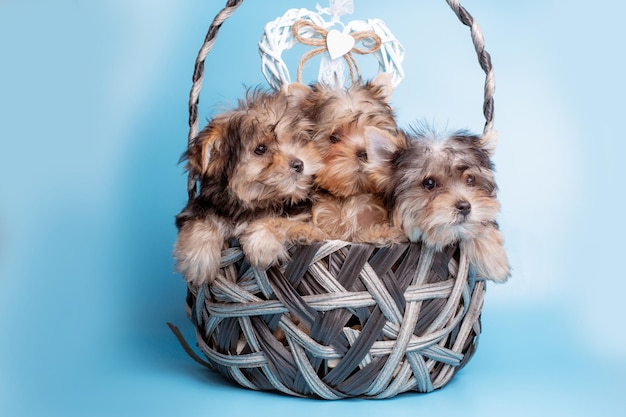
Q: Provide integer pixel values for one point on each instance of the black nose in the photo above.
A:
(297, 165)
(362, 155)
(463, 207)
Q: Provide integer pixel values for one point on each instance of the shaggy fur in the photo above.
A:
(255, 166)
(443, 191)
(348, 205)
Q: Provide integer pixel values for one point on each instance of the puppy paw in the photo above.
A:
(487, 254)
(198, 252)
(263, 247)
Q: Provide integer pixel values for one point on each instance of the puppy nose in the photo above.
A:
(362, 155)
(464, 207)
(297, 165)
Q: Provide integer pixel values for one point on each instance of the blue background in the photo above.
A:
(93, 113)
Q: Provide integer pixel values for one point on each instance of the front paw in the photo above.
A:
(198, 252)
(488, 256)
(263, 248)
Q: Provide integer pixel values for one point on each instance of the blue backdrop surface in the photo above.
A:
(93, 113)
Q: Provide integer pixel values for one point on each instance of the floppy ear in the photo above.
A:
(382, 145)
(383, 148)
(208, 142)
(384, 84)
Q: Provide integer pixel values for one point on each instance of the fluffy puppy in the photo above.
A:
(443, 191)
(255, 166)
(348, 205)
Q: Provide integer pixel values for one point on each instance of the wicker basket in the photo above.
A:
(340, 319)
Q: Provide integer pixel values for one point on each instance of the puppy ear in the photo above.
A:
(383, 148)
(384, 84)
(296, 93)
(200, 149)
(382, 145)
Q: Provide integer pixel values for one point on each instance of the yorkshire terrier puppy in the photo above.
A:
(348, 205)
(443, 191)
(255, 166)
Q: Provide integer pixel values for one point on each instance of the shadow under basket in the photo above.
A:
(341, 320)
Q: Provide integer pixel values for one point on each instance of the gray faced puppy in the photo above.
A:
(443, 191)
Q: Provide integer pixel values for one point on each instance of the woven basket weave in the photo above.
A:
(339, 319)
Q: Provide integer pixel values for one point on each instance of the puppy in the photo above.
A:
(348, 205)
(255, 166)
(443, 191)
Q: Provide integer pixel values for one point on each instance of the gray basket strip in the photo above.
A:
(444, 376)
(429, 291)
(423, 267)
(277, 383)
(227, 338)
(359, 350)
(279, 359)
(290, 298)
(210, 324)
(453, 301)
(399, 382)
(300, 261)
(320, 303)
(199, 304)
(233, 292)
(248, 332)
(421, 372)
(416, 344)
(381, 295)
(312, 346)
(308, 373)
(442, 354)
(330, 325)
(356, 383)
(352, 335)
(236, 374)
(408, 325)
(263, 282)
(260, 308)
(325, 278)
(397, 352)
(231, 256)
(243, 361)
(471, 316)
(330, 247)
(383, 263)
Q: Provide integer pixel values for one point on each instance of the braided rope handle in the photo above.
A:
(488, 137)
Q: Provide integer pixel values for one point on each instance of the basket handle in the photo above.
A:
(484, 59)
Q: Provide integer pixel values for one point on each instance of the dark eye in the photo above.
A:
(334, 138)
(429, 183)
(260, 149)
(470, 180)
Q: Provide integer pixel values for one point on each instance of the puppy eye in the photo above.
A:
(470, 180)
(334, 138)
(260, 150)
(429, 183)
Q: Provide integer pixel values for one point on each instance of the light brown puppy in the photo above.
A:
(348, 204)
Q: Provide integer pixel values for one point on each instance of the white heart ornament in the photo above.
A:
(338, 44)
